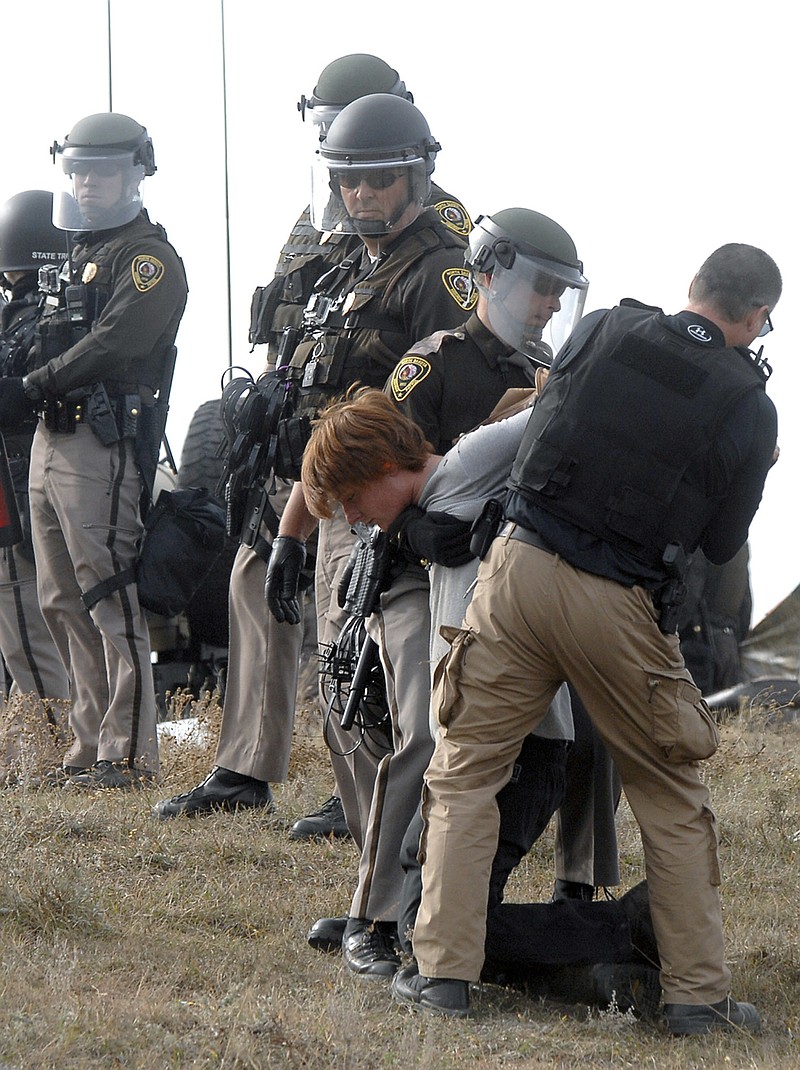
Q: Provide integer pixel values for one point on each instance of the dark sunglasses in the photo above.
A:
(375, 179)
(101, 168)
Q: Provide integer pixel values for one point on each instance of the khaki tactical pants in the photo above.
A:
(86, 528)
(263, 665)
(534, 622)
(27, 648)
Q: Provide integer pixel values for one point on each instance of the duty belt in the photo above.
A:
(532, 538)
(62, 414)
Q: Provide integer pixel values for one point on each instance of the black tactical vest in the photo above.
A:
(626, 458)
(353, 331)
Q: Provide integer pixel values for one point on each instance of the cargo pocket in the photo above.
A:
(681, 723)
(448, 672)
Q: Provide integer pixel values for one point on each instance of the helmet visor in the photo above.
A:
(533, 305)
(321, 116)
(96, 189)
(356, 197)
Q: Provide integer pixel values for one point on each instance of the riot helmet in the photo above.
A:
(104, 159)
(344, 80)
(28, 239)
(380, 141)
(526, 268)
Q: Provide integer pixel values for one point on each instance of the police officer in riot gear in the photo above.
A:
(28, 242)
(407, 280)
(519, 260)
(105, 159)
(277, 309)
(101, 358)
(261, 687)
(527, 267)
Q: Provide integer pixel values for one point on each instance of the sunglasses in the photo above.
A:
(766, 328)
(375, 179)
(101, 168)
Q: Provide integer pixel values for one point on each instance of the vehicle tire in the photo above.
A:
(201, 464)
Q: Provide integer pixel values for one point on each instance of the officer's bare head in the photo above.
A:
(741, 283)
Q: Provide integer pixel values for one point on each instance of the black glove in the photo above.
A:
(283, 578)
(436, 537)
(15, 406)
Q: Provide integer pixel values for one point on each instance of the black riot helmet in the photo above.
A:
(346, 79)
(526, 268)
(378, 139)
(28, 239)
(118, 153)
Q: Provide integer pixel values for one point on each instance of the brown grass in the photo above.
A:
(129, 942)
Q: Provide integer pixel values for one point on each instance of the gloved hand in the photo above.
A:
(15, 406)
(436, 536)
(283, 578)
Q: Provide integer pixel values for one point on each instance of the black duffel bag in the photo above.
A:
(183, 537)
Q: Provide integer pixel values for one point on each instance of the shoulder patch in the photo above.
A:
(409, 373)
(454, 216)
(434, 342)
(147, 272)
(458, 283)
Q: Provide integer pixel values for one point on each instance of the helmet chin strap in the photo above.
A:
(374, 228)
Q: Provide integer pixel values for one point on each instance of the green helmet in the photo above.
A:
(108, 146)
(534, 287)
(374, 134)
(346, 79)
(107, 135)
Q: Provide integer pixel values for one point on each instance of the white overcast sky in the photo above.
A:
(653, 132)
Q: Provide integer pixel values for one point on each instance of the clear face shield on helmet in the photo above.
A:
(96, 189)
(357, 197)
(319, 115)
(533, 304)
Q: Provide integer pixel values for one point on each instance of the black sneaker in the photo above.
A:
(686, 1019)
(369, 948)
(105, 775)
(326, 823)
(440, 994)
(222, 789)
(326, 934)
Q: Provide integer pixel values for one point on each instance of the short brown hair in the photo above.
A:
(354, 441)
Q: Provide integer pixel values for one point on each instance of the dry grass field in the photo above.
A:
(129, 942)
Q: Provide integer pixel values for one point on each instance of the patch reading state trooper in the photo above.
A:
(454, 216)
(458, 283)
(408, 374)
(147, 272)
